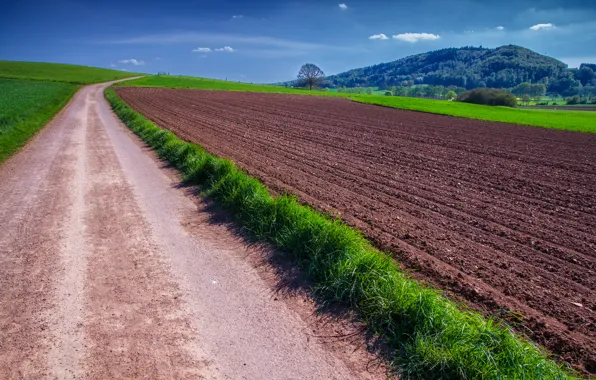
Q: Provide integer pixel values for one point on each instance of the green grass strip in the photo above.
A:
(431, 336)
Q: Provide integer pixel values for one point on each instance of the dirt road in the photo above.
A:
(110, 270)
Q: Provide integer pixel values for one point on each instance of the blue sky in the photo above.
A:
(268, 41)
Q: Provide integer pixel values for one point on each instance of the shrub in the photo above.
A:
(489, 97)
(573, 100)
(388, 93)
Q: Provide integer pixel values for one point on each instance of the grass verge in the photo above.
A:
(25, 107)
(555, 119)
(431, 336)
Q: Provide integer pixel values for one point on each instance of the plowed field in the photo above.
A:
(500, 216)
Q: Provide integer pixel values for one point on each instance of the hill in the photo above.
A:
(59, 72)
(471, 67)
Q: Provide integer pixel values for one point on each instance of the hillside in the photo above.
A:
(59, 72)
(470, 67)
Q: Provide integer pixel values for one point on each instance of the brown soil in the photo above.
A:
(501, 216)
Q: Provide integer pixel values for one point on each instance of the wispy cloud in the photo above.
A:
(132, 61)
(112, 65)
(236, 17)
(500, 27)
(542, 26)
(201, 50)
(415, 37)
(190, 37)
(379, 36)
(273, 46)
(343, 6)
(225, 49)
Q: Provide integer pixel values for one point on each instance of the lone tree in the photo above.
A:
(310, 75)
(451, 95)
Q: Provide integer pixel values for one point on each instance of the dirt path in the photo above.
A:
(109, 270)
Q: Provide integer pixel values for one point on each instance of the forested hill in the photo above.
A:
(470, 67)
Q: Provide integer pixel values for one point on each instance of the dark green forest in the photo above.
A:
(473, 67)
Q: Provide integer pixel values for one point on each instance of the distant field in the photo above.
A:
(580, 121)
(25, 107)
(58, 72)
(565, 120)
(215, 84)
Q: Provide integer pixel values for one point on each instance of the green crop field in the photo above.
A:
(565, 120)
(26, 106)
(58, 72)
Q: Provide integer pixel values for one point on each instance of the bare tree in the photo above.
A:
(311, 75)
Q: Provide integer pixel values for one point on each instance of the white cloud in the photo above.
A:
(500, 27)
(112, 65)
(226, 49)
(343, 6)
(201, 50)
(415, 37)
(543, 26)
(379, 36)
(158, 58)
(235, 17)
(133, 61)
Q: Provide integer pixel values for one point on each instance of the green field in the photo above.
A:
(59, 72)
(215, 84)
(565, 120)
(25, 107)
(581, 121)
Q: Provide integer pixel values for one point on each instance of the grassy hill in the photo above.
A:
(60, 72)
